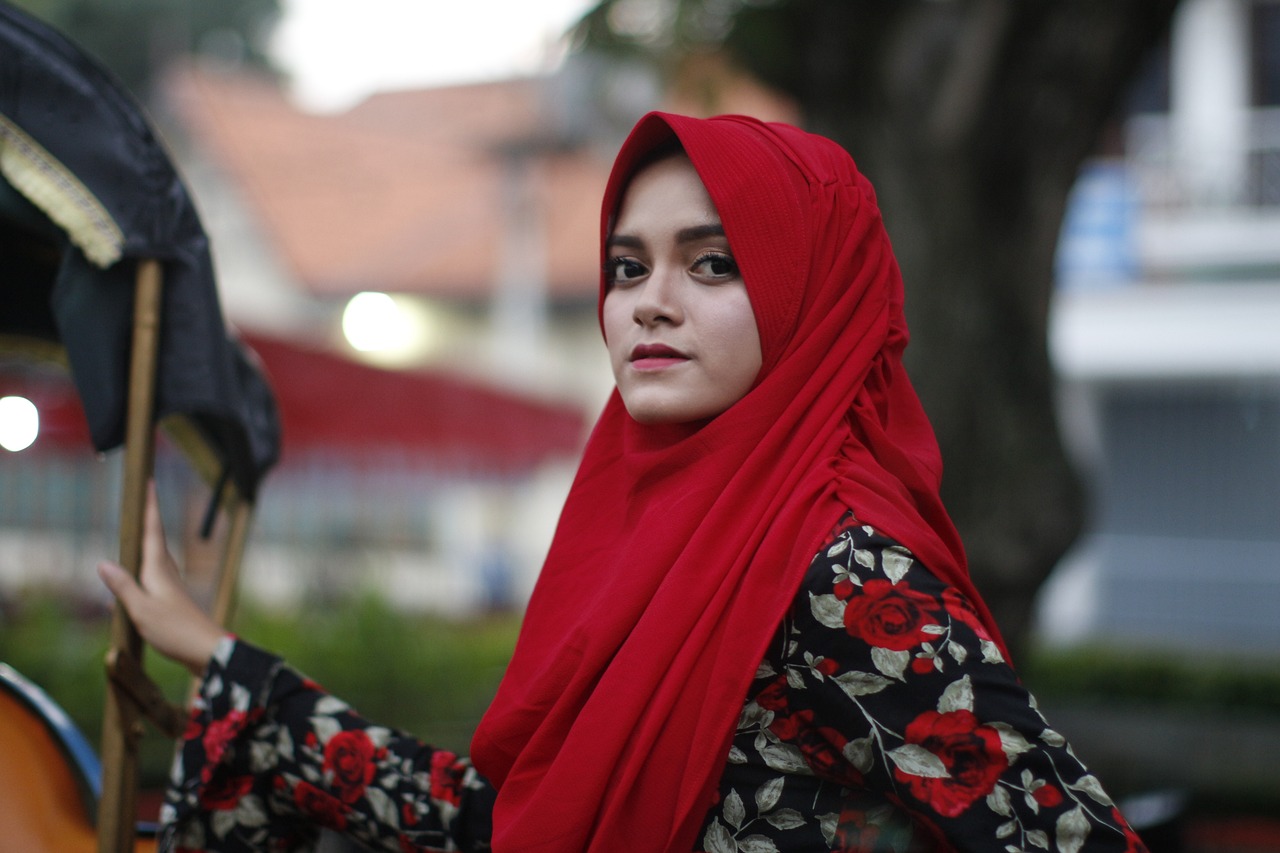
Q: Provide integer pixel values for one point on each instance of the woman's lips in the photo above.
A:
(655, 357)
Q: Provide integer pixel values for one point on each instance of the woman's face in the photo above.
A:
(682, 338)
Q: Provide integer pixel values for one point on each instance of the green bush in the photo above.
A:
(427, 675)
(430, 676)
(1154, 677)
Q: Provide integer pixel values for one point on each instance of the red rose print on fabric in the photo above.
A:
(1133, 844)
(349, 757)
(1047, 796)
(774, 696)
(445, 781)
(788, 726)
(890, 616)
(225, 792)
(821, 748)
(970, 752)
(856, 834)
(221, 732)
(960, 609)
(325, 810)
(195, 727)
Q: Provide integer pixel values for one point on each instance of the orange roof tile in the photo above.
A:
(407, 191)
(401, 193)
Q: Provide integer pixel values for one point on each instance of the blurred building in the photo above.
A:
(448, 230)
(1166, 333)
(418, 274)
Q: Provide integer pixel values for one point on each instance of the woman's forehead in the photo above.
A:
(668, 193)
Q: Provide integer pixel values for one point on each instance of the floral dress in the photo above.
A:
(882, 718)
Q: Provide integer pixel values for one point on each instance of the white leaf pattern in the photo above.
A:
(262, 756)
(915, 760)
(1072, 830)
(222, 822)
(284, 744)
(785, 819)
(829, 823)
(827, 609)
(325, 728)
(768, 794)
(250, 811)
(892, 663)
(734, 810)
(331, 705)
(860, 754)
(757, 844)
(785, 758)
(383, 806)
(897, 561)
(751, 714)
(856, 684)
(718, 839)
(957, 697)
(998, 801)
(1052, 738)
(1091, 786)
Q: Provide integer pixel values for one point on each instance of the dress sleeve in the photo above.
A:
(269, 757)
(902, 678)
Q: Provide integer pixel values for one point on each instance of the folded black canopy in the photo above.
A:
(86, 191)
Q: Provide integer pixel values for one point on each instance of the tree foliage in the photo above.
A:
(972, 118)
(137, 38)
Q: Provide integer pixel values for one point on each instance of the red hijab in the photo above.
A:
(679, 549)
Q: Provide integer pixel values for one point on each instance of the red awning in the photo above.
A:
(62, 422)
(333, 405)
(330, 403)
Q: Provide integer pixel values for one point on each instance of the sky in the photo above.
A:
(337, 52)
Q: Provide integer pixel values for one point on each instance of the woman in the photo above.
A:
(690, 676)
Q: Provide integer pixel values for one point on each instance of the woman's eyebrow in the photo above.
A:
(699, 232)
(685, 235)
(625, 241)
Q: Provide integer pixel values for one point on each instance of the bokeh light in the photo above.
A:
(19, 423)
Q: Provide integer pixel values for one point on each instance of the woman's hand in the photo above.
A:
(162, 610)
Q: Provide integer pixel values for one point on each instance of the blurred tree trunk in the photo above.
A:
(972, 118)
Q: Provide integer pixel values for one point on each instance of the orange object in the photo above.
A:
(46, 798)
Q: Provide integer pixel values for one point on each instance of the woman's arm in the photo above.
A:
(269, 757)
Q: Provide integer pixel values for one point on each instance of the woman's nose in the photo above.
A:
(658, 300)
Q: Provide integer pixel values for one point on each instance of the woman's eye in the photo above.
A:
(716, 265)
(621, 270)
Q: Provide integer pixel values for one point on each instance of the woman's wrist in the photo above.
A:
(203, 647)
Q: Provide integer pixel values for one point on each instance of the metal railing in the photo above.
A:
(1169, 179)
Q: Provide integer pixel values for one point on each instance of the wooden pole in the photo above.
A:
(122, 725)
(232, 556)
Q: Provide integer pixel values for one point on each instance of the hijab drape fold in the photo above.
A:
(679, 549)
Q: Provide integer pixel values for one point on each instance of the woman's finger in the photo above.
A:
(121, 584)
